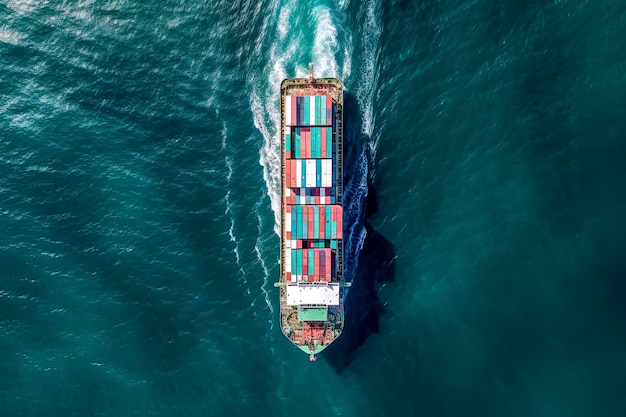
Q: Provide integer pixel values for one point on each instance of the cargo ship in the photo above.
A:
(311, 281)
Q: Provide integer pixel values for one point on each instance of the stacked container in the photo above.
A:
(313, 220)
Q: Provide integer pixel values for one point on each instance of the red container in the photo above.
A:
(305, 261)
(322, 221)
(339, 222)
(324, 143)
(328, 254)
(288, 175)
(329, 111)
(294, 110)
(305, 138)
(317, 263)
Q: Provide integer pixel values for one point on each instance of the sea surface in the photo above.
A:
(485, 195)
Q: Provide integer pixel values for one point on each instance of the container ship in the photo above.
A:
(311, 281)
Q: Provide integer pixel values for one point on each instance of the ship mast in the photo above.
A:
(311, 79)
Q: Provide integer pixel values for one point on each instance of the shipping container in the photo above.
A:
(310, 170)
(329, 110)
(318, 111)
(329, 222)
(307, 110)
(329, 142)
(339, 222)
(298, 143)
(288, 110)
(311, 259)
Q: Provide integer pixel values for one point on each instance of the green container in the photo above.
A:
(318, 141)
(317, 110)
(320, 109)
(307, 110)
(311, 262)
(288, 142)
(297, 143)
(329, 223)
(333, 244)
(329, 141)
(299, 261)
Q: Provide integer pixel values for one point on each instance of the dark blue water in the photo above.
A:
(139, 188)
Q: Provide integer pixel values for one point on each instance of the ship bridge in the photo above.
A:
(313, 294)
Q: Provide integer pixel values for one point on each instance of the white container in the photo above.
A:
(312, 110)
(298, 174)
(288, 111)
(311, 172)
(287, 260)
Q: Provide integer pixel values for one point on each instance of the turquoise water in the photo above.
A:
(139, 190)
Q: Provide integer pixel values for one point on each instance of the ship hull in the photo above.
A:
(311, 238)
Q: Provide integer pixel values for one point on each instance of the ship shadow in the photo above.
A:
(376, 258)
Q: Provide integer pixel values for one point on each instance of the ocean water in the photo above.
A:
(486, 196)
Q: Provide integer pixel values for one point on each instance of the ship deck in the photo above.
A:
(307, 318)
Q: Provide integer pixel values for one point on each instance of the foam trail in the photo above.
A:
(325, 43)
(264, 102)
(355, 196)
(369, 73)
(229, 207)
(266, 273)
